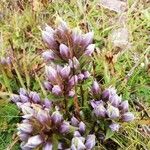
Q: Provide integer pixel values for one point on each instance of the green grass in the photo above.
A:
(20, 36)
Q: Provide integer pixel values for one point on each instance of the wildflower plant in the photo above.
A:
(54, 124)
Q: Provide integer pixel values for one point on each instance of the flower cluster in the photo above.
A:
(66, 45)
(61, 80)
(44, 125)
(107, 104)
(40, 123)
(80, 141)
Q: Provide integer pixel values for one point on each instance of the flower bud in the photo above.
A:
(48, 146)
(47, 103)
(64, 51)
(22, 91)
(65, 72)
(100, 111)
(25, 127)
(86, 74)
(33, 141)
(77, 144)
(90, 49)
(47, 85)
(90, 141)
(77, 134)
(112, 112)
(82, 127)
(42, 116)
(35, 97)
(51, 73)
(107, 93)
(80, 77)
(95, 88)
(114, 100)
(74, 121)
(15, 98)
(49, 55)
(27, 111)
(24, 98)
(73, 81)
(76, 36)
(94, 103)
(64, 128)
(56, 90)
(74, 63)
(49, 39)
(124, 106)
(88, 38)
(23, 136)
(114, 127)
(57, 117)
(71, 93)
(127, 117)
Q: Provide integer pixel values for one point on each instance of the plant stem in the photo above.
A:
(82, 94)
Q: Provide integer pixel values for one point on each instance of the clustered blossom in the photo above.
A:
(66, 45)
(30, 97)
(44, 124)
(110, 106)
(61, 81)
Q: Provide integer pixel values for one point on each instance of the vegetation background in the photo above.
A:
(128, 69)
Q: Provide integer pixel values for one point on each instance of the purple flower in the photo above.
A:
(90, 141)
(35, 97)
(73, 81)
(64, 51)
(47, 103)
(80, 77)
(127, 117)
(86, 74)
(82, 127)
(65, 127)
(74, 63)
(114, 100)
(94, 103)
(47, 85)
(48, 146)
(27, 110)
(114, 126)
(15, 98)
(90, 49)
(51, 73)
(48, 37)
(42, 116)
(25, 127)
(56, 90)
(100, 110)
(22, 91)
(124, 106)
(88, 38)
(78, 143)
(24, 98)
(112, 112)
(108, 92)
(71, 93)
(33, 141)
(77, 134)
(22, 135)
(49, 55)
(65, 72)
(57, 117)
(95, 88)
(74, 121)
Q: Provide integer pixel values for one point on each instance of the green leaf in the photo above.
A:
(109, 133)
